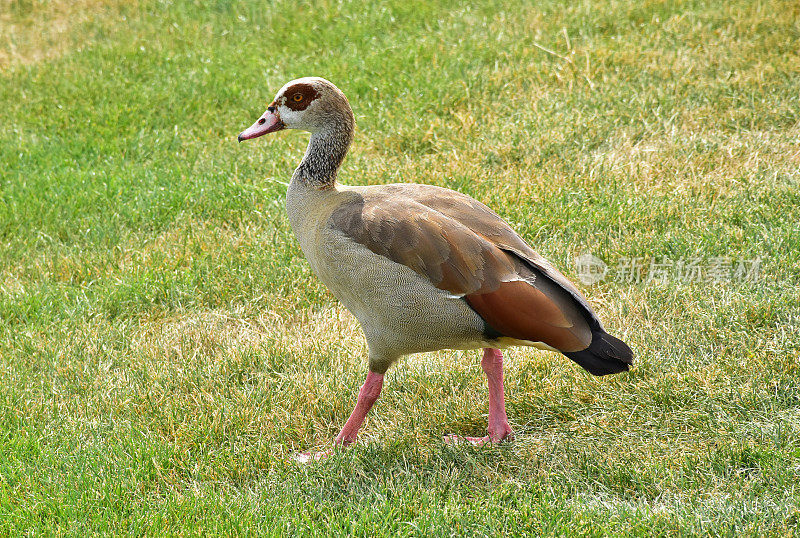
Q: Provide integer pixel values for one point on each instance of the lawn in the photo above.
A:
(165, 348)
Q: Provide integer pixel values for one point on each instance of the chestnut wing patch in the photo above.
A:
(509, 295)
(538, 311)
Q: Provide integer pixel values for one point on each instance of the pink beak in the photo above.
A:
(269, 122)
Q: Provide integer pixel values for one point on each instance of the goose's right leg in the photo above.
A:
(499, 429)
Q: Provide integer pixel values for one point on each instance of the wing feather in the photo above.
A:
(461, 246)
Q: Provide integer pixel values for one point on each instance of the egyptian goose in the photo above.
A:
(424, 268)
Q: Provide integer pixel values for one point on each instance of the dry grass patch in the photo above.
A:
(36, 30)
(701, 160)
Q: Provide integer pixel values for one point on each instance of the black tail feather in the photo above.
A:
(605, 355)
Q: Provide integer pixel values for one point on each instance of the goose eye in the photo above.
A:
(297, 97)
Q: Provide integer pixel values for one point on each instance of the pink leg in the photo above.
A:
(492, 365)
(499, 429)
(369, 392)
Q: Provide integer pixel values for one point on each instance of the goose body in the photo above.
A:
(424, 268)
(399, 310)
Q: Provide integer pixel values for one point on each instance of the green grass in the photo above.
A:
(164, 347)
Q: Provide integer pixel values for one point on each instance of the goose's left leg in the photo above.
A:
(367, 396)
(369, 392)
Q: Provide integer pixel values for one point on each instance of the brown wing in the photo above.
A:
(483, 221)
(464, 248)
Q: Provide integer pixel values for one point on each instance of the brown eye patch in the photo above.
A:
(299, 96)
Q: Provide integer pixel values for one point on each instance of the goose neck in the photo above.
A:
(326, 150)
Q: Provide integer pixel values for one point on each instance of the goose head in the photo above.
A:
(310, 104)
